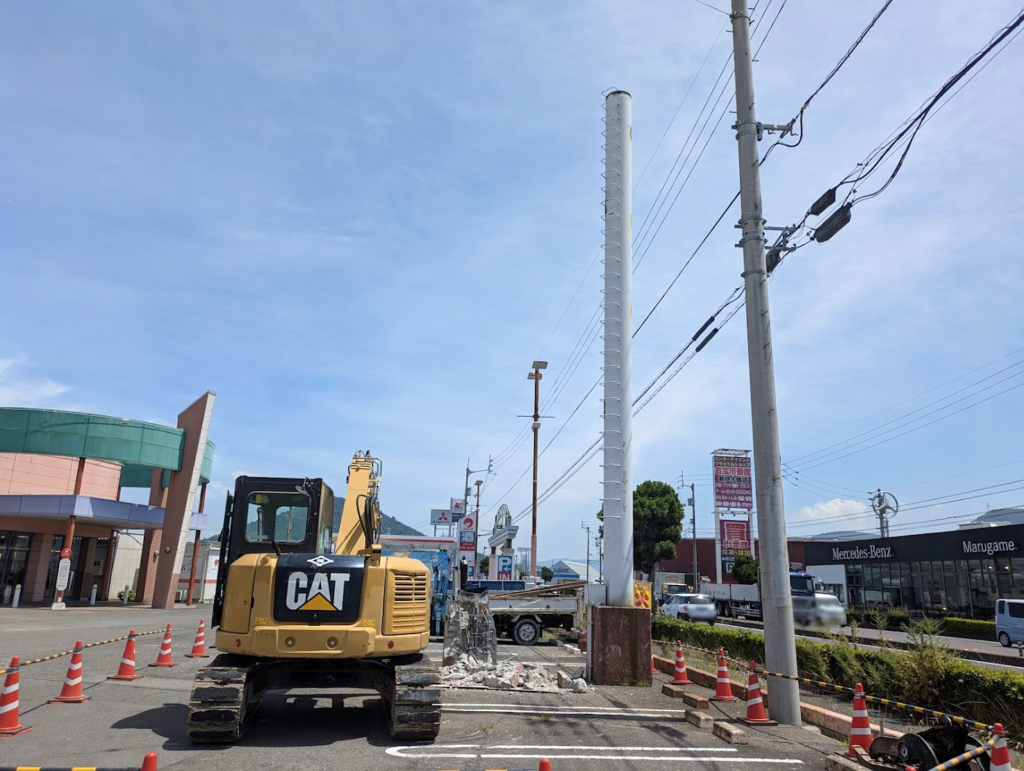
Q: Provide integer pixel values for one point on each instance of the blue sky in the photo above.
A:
(359, 223)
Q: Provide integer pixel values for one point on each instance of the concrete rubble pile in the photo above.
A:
(471, 654)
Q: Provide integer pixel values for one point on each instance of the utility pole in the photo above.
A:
(599, 543)
(776, 601)
(617, 435)
(586, 527)
(693, 507)
(535, 376)
(465, 504)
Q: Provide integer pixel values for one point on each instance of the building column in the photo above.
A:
(181, 498)
(38, 565)
(151, 541)
(108, 564)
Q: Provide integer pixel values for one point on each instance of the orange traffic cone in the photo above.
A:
(860, 728)
(723, 688)
(126, 671)
(164, 659)
(199, 646)
(9, 725)
(545, 765)
(756, 714)
(999, 755)
(680, 677)
(71, 692)
(149, 762)
(654, 669)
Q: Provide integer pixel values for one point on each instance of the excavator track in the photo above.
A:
(226, 696)
(414, 706)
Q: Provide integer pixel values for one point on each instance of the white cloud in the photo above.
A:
(834, 509)
(22, 389)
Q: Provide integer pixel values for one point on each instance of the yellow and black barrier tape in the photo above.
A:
(149, 763)
(844, 689)
(963, 758)
(878, 700)
(68, 652)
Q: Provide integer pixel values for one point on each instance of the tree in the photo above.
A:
(657, 524)
(547, 575)
(745, 569)
(485, 565)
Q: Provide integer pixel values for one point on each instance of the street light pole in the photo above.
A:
(776, 600)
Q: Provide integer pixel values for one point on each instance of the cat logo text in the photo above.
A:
(322, 592)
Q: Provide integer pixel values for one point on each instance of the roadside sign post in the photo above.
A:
(63, 578)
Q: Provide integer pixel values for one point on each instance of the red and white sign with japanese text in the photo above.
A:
(734, 487)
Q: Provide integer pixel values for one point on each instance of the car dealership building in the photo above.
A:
(959, 573)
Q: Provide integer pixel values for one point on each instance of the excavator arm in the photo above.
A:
(359, 528)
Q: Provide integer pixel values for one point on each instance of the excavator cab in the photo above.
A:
(276, 515)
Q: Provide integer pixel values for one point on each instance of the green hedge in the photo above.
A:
(895, 618)
(928, 675)
(969, 627)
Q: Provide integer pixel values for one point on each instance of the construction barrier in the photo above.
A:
(9, 722)
(723, 688)
(164, 658)
(126, 669)
(679, 674)
(71, 651)
(148, 764)
(756, 713)
(71, 691)
(842, 689)
(969, 755)
(199, 646)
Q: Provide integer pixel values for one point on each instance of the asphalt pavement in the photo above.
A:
(608, 728)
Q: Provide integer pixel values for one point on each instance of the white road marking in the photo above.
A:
(566, 712)
(603, 748)
(404, 752)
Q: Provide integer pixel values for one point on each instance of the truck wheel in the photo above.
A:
(526, 632)
(1004, 639)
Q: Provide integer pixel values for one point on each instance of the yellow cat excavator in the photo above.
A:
(297, 608)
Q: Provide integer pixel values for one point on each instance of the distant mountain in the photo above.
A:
(388, 525)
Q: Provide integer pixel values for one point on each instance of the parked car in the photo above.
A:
(691, 607)
(1009, 622)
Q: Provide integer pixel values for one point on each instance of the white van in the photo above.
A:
(1009, 622)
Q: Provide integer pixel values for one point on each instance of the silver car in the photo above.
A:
(691, 607)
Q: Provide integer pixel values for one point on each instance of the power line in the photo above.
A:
(907, 401)
(823, 460)
(964, 495)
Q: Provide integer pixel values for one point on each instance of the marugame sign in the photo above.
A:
(733, 484)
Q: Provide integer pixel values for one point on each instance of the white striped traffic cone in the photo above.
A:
(164, 659)
(756, 714)
(199, 646)
(723, 688)
(860, 728)
(126, 671)
(999, 756)
(680, 678)
(9, 725)
(71, 692)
